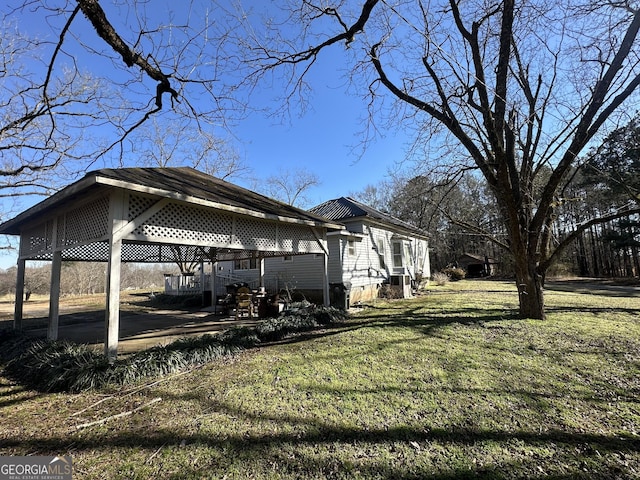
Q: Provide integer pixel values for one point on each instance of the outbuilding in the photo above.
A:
(477, 265)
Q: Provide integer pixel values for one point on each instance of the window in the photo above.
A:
(287, 258)
(245, 264)
(351, 245)
(381, 252)
(397, 254)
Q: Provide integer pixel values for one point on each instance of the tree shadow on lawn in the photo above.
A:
(425, 323)
(12, 394)
(275, 448)
(429, 322)
(593, 310)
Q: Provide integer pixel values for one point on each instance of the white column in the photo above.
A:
(112, 312)
(325, 280)
(54, 289)
(214, 269)
(261, 271)
(112, 308)
(202, 286)
(18, 310)
(54, 295)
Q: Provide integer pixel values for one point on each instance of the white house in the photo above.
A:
(375, 251)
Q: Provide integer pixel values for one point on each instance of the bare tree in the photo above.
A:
(510, 88)
(82, 278)
(88, 84)
(80, 78)
(172, 145)
(290, 186)
(42, 117)
(378, 196)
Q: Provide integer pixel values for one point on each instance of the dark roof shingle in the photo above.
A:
(181, 183)
(344, 208)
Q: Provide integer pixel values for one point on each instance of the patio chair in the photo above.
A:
(244, 303)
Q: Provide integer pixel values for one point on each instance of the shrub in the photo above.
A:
(455, 273)
(388, 292)
(422, 282)
(177, 301)
(58, 366)
(440, 278)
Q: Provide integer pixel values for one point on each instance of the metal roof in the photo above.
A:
(344, 209)
(179, 183)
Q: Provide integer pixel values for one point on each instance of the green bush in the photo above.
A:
(58, 366)
(63, 366)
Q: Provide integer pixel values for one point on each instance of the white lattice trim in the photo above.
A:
(298, 239)
(139, 204)
(182, 224)
(142, 253)
(37, 240)
(85, 224)
(254, 234)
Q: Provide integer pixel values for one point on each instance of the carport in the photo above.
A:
(143, 215)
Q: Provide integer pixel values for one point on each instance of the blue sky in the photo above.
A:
(325, 141)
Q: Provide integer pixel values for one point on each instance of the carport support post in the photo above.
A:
(54, 296)
(112, 312)
(261, 271)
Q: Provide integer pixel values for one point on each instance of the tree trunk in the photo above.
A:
(530, 283)
(581, 252)
(595, 252)
(636, 261)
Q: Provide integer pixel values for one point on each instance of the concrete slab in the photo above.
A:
(138, 330)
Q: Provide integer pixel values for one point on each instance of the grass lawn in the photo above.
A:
(447, 385)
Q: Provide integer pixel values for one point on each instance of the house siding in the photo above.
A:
(360, 266)
(300, 272)
(336, 248)
(361, 255)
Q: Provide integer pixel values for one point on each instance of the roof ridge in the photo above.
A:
(344, 208)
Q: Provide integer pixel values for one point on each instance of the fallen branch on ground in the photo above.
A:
(119, 415)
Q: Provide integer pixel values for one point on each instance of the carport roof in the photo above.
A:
(178, 183)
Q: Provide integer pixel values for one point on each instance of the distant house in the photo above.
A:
(374, 251)
(477, 265)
